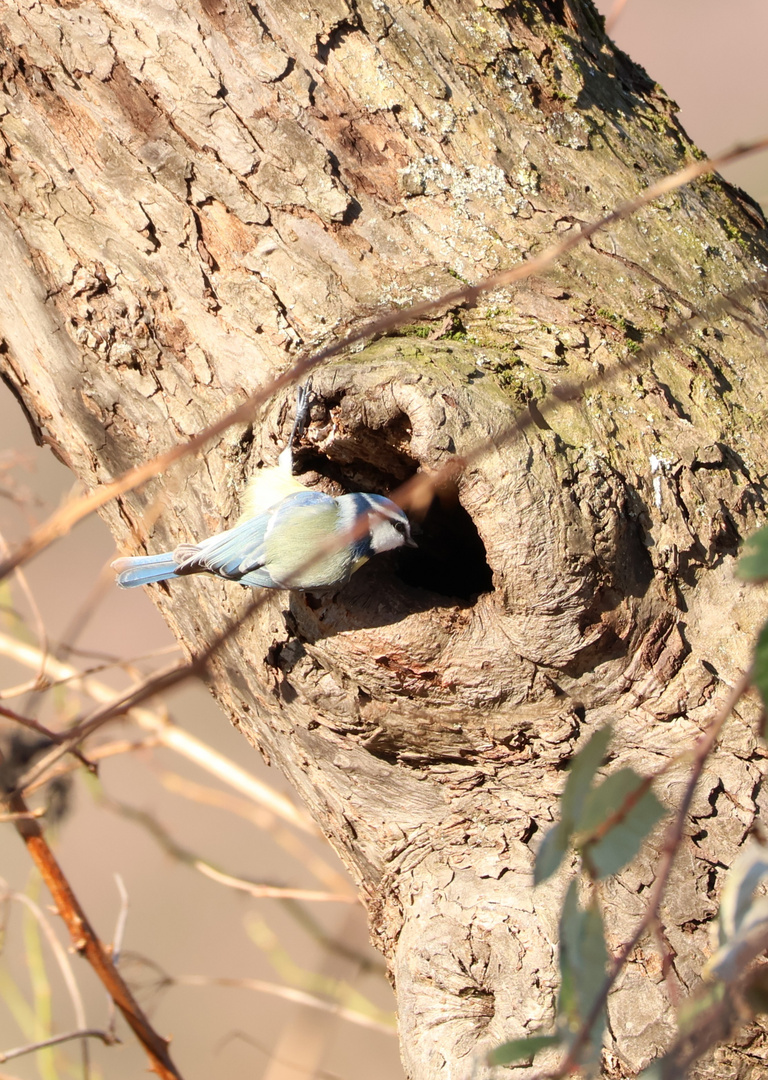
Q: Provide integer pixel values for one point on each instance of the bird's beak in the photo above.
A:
(410, 542)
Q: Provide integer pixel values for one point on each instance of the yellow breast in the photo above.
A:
(265, 488)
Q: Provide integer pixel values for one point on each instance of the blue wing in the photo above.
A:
(283, 547)
(245, 553)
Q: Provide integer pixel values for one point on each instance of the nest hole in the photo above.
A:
(371, 452)
(450, 559)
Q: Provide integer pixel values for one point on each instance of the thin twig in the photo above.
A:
(714, 1024)
(54, 1040)
(117, 944)
(312, 1073)
(33, 725)
(75, 674)
(62, 959)
(29, 723)
(23, 688)
(60, 523)
(95, 755)
(38, 813)
(258, 890)
(84, 613)
(37, 618)
(614, 14)
(122, 919)
(153, 685)
(273, 892)
(109, 660)
(414, 490)
(263, 819)
(68, 976)
(174, 738)
(288, 993)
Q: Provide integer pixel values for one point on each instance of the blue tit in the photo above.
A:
(288, 546)
(284, 537)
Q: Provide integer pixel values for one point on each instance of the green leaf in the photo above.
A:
(521, 1049)
(634, 815)
(749, 868)
(581, 771)
(760, 668)
(583, 958)
(580, 774)
(693, 1012)
(620, 845)
(550, 854)
(654, 1071)
(753, 564)
(756, 991)
(742, 918)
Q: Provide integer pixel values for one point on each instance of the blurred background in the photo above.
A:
(710, 58)
(151, 813)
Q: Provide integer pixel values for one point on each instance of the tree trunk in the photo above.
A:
(197, 191)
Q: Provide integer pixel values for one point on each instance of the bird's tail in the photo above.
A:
(144, 569)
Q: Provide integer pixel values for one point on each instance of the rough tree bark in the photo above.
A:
(192, 193)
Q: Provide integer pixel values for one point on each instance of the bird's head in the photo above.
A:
(389, 527)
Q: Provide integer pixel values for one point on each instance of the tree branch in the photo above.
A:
(85, 941)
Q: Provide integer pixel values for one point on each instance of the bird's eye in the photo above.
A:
(399, 526)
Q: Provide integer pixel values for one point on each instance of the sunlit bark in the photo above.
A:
(194, 193)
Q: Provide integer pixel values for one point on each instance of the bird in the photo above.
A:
(288, 537)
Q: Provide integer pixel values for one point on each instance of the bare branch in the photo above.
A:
(255, 889)
(313, 1073)
(273, 892)
(265, 820)
(37, 618)
(40, 812)
(173, 737)
(95, 755)
(62, 958)
(117, 942)
(70, 982)
(81, 1033)
(85, 941)
(614, 15)
(288, 993)
(28, 722)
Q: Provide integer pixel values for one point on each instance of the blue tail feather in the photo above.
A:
(145, 569)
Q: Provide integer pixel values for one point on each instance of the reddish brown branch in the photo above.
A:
(86, 942)
(29, 723)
